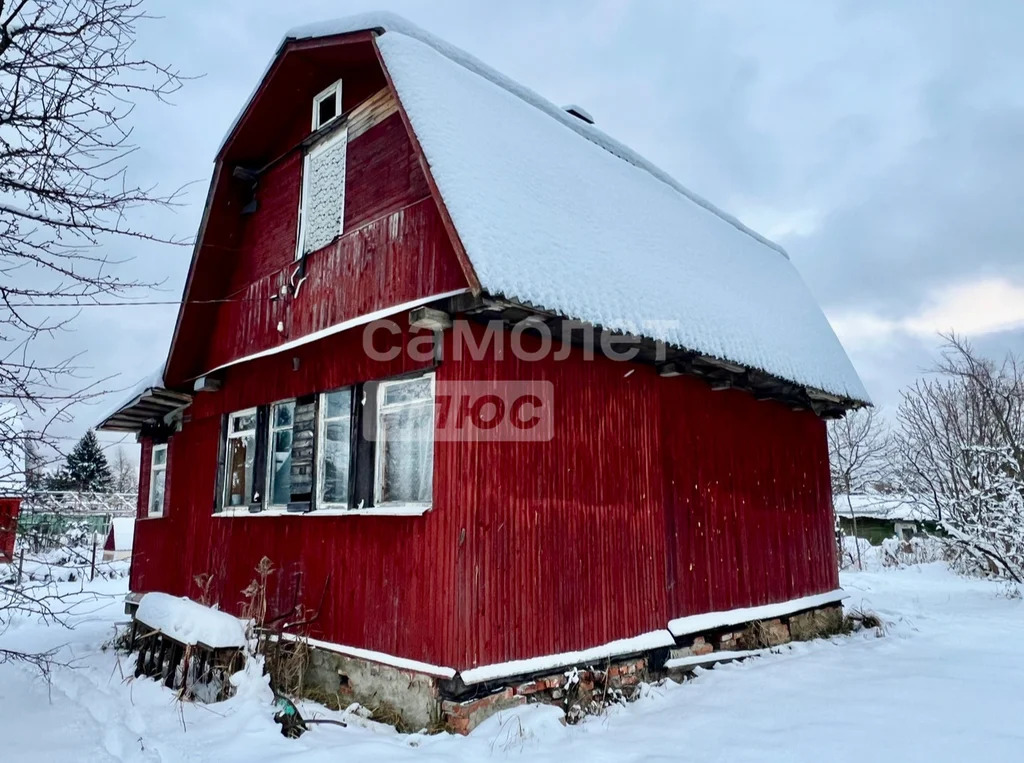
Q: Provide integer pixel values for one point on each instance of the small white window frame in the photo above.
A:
(271, 431)
(378, 458)
(153, 469)
(332, 90)
(226, 495)
(328, 142)
(321, 442)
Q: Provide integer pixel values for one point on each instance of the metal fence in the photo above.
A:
(51, 519)
(79, 502)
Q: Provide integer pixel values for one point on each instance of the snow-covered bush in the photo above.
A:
(960, 449)
(893, 552)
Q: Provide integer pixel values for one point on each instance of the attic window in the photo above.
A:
(326, 105)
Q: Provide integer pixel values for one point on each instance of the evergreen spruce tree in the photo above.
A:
(87, 466)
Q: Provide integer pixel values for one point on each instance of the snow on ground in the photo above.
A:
(942, 684)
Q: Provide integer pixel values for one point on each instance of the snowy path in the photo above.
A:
(944, 684)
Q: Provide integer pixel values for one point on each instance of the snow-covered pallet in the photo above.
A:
(189, 647)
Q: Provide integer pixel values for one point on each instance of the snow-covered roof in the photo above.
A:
(147, 400)
(876, 506)
(123, 529)
(554, 213)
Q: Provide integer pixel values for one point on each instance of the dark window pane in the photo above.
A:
(327, 109)
(243, 423)
(241, 453)
(281, 468)
(335, 461)
(284, 414)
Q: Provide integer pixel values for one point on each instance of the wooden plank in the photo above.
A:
(370, 112)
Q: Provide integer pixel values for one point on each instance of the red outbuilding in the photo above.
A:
(494, 394)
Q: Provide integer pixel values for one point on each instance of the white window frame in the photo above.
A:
(271, 431)
(321, 456)
(334, 89)
(231, 435)
(378, 461)
(337, 136)
(153, 469)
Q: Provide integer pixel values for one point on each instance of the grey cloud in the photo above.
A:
(895, 127)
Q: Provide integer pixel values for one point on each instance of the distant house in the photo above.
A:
(879, 517)
(12, 477)
(383, 191)
(119, 540)
(9, 510)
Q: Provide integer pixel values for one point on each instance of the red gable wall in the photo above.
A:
(394, 248)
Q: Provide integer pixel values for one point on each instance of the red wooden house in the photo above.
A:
(384, 206)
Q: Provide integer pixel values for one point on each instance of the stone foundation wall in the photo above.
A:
(405, 698)
(414, 701)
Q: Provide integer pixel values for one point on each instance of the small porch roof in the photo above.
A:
(147, 404)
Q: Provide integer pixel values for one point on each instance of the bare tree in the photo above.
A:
(69, 81)
(68, 86)
(961, 452)
(126, 475)
(858, 449)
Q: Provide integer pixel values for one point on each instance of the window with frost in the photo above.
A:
(157, 480)
(279, 463)
(322, 203)
(240, 459)
(405, 441)
(335, 444)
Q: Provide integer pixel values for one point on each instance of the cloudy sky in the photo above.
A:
(881, 143)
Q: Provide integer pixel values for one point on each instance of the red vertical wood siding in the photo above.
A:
(656, 498)
(145, 465)
(747, 500)
(564, 543)
(379, 573)
(383, 173)
(245, 259)
(397, 258)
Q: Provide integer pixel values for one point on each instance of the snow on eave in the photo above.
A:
(707, 621)
(384, 22)
(337, 328)
(145, 385)
(401, 663)
(642, 643)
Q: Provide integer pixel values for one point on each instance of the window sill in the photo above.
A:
(397, 510)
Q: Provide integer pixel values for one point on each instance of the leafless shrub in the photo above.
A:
(861, 619)
(858, 450)
(960, 448)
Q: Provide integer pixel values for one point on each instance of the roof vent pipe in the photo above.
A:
(579, 112)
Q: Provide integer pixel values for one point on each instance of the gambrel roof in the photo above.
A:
(555, 214)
